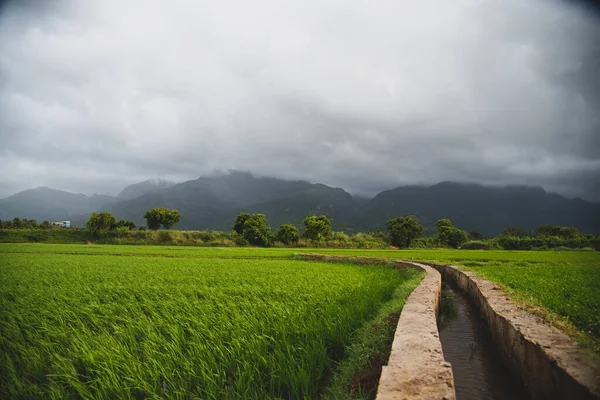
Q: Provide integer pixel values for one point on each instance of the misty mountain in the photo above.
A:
(318, 199)
(213, 202)
(488, 210)
(50, 204)
(139, 189)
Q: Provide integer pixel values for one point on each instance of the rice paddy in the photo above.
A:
(91, 321)
(111, 326)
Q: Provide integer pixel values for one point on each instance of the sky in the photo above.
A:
(99, 94)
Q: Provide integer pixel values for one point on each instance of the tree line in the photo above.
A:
(103, 222)
(401, 232)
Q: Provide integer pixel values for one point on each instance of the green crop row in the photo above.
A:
(79, 326)
(438, 255)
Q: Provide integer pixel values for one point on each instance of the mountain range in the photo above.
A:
(212, 202)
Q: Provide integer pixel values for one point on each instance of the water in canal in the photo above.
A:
(479, 372)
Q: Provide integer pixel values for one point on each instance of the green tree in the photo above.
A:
(125, 224)
(443, 223)
(449, 235)
(254, 228)
(403, 230)
(595, 242)
(288, 234)
(100, 223)
(238, 225)
(546, 230)
(558, 231)
(569, 232)
(45, 225)
(513, 231)
(153, 218)
(455, 237)
(474, 235)
(28, 223)
(158, 216)
(171, 218)
(317, 227)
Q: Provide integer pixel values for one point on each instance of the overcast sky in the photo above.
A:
(98, 94)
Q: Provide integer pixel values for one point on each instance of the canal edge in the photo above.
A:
(416, 368)
(551, 364)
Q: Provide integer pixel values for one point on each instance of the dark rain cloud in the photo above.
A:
(99, 94)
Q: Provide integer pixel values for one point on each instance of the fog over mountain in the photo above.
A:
(96, 95)
(213, 202)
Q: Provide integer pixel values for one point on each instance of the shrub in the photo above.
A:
(367, 241)
(164, 237)
(125, 224)
(542, 242)
(474, 235)
(340, 237)
(475, 245)
(425, 243)
(122, 231)
(34, 237)
(239, 239)
(513, 231)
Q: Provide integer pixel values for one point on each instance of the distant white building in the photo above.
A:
(62, 224)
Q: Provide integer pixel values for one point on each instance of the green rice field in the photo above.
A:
(93, 321)
(110, 326)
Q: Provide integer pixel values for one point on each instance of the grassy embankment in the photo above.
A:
(92, 324)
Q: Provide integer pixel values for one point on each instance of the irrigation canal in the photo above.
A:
(479, 372)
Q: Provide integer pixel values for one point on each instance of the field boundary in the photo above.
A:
(551, 364)
(416, 368)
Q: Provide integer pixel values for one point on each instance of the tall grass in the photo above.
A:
(107, 326)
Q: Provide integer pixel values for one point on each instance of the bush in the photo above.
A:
(122, 231)
(34, 237)
(475, 245)
(340, 237)
(164, 237)
(125, 224)
(239, 239)
(140, 235)
(475, 236)
(543, 242)
(513, 231)
(363, 240)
